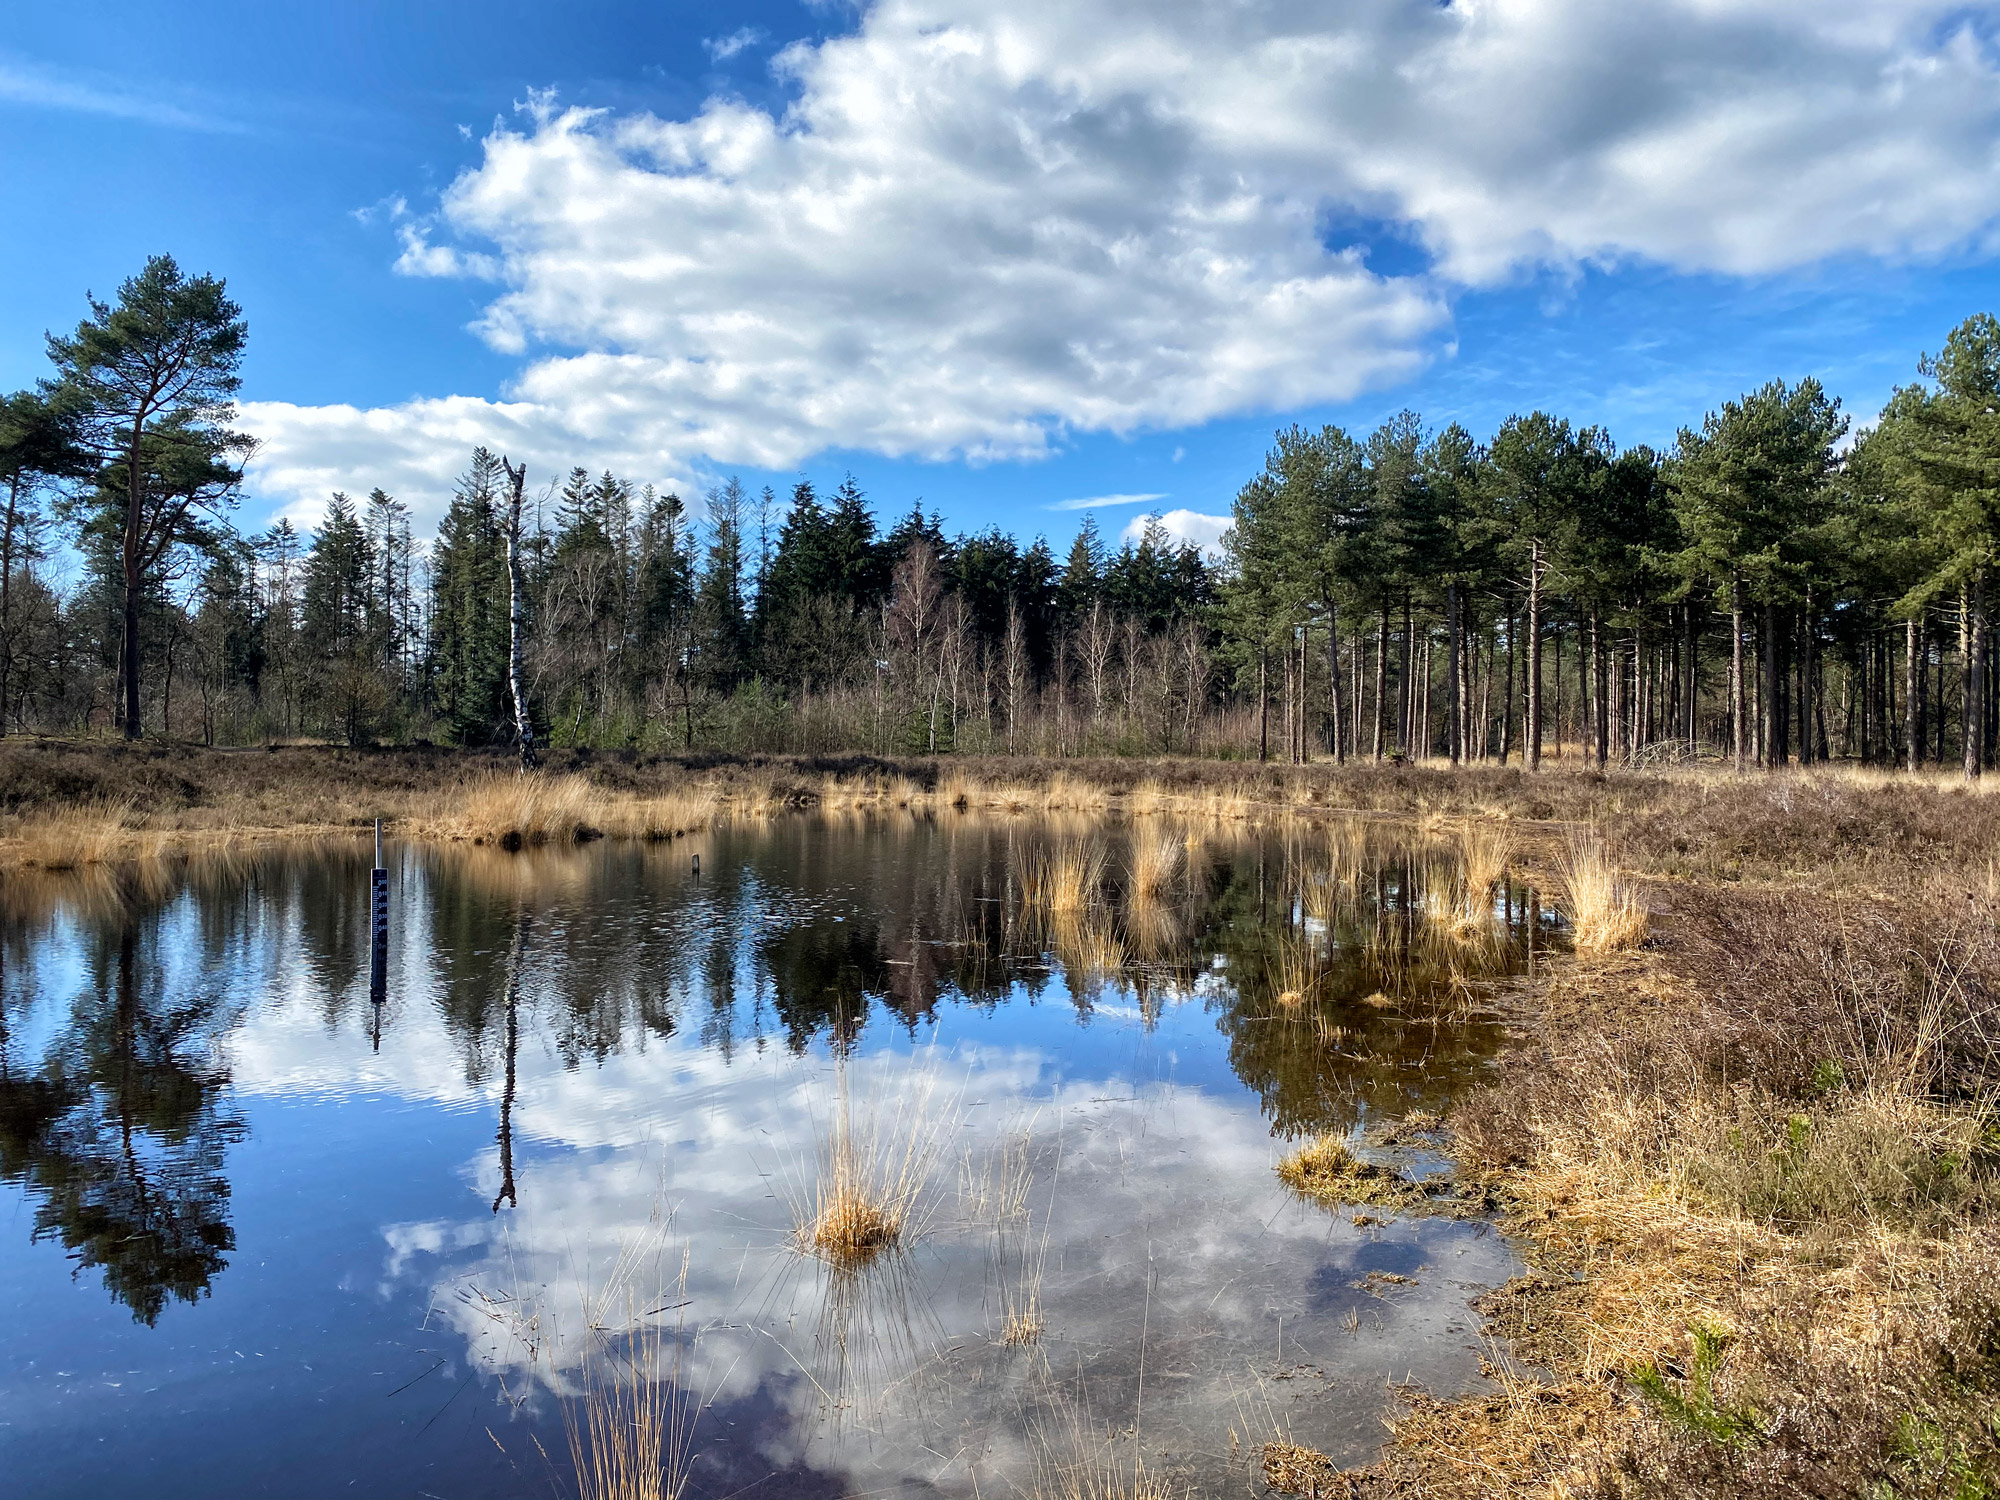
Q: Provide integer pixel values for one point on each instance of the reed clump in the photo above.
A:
(1066, 880)
(69, 838)
(1603, 908)
(873, 1189)
(1156, 856)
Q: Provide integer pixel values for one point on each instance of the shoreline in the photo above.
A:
(1754, 1165)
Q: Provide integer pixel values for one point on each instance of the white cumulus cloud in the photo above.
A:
(977, 230)
(1189, 527)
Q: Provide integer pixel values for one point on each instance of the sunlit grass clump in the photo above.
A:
(86, 833)
(1156, 862)
(873, 1189)
(1328, 1171)
(1603, 908)
(1067, 880)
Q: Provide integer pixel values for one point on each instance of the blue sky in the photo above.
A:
(999, 259)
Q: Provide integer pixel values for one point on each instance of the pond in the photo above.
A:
(260, 1234)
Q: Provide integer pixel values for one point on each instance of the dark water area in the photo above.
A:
(260, 1235)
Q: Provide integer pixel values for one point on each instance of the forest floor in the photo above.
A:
(1754, 1164)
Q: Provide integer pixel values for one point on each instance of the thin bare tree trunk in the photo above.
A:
(517, 612)
(1533, 739)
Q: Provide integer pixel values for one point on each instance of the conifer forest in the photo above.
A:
(1780, 585)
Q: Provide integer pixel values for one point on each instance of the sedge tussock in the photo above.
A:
(1487, 848)
(1327, 1171)
(1068, 880)
(1296, 975)
(1156, 862)
(1603, 908)
(873, 1188)
(515, 810)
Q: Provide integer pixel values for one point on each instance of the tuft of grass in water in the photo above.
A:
(1603, 909)
(1327, 1171)
(873, 1188)
(1293, 1469)
(631, 1424)
(1488, 849)
(1156, 862)
(1068, 880)
(1296, 975)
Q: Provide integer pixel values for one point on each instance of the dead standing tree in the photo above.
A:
(517, 605)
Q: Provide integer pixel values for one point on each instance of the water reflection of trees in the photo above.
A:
(798, 933)
(119, 1132)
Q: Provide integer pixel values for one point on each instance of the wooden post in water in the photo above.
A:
(378, 929)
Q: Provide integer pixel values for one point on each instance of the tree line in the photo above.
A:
(1766, 591)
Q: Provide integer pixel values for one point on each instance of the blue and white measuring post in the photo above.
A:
(378, 924)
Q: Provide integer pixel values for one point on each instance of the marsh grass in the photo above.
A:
(629, 1419)
(1067, 880)
(1156, 858)
(1328, 1171)
(873, 1188)
(1295, 974)
(1758, 1164)
(88, 833)
(1603, 908)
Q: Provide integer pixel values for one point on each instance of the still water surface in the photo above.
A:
(261, 1236)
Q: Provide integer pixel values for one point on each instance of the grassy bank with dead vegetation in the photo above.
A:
(1856, 830)
(1756, 1166)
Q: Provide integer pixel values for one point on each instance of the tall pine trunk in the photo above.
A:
(1455, 725)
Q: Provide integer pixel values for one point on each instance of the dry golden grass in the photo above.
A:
(631, 1423)
(1087, 949)
(1488, 850)
(515, 810)
(1067, 880)
(873, 1187)
(1293, 1469)
(1296, 974)
(1327, 1171)
(1604, 910)
(89, 833)
(1156, 854)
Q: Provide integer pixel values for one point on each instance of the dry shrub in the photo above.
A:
(1760, 1162)
(1603, 909)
